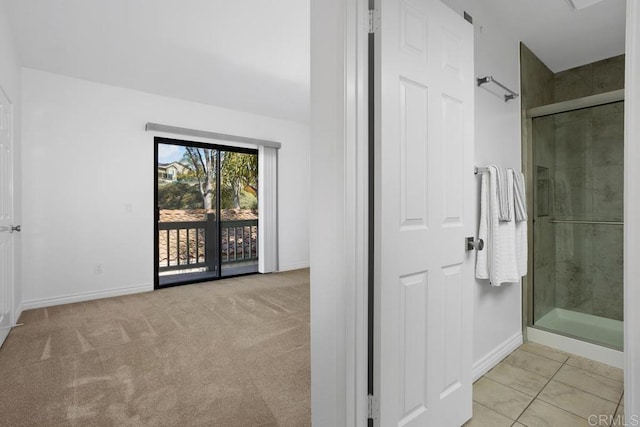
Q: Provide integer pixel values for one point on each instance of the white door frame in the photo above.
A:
(356, 209)
(632, 215)
(339, 107)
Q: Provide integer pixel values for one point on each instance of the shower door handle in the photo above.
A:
(472, 244)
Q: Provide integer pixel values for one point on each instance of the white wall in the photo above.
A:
(327, 213)
(497, 310)
(10, 82)
(86, 157)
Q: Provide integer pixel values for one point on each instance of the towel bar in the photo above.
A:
(579, 221)
(489, 79)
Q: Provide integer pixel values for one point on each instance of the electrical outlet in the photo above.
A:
(97, 269)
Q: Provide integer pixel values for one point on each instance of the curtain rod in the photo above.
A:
(156, 127)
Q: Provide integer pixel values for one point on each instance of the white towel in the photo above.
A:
(500, 260)
(519, 196)
(482, 257)
(520, 208)
(522, 247)
(505, 206)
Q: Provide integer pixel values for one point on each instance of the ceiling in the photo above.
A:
(561, 36)
(249, 55)
(253, 55)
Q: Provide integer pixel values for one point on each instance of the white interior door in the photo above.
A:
(424, 179)
(6, 214)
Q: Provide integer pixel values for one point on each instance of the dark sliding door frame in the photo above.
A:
(156, 217)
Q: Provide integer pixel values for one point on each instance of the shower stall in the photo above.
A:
(576, 213)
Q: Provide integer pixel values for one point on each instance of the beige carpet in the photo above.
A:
(228, 353)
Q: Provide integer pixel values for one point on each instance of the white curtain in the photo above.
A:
(267, 209)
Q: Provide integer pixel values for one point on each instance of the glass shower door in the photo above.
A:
(578, 223)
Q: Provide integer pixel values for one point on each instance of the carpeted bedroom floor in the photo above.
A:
(228, 353)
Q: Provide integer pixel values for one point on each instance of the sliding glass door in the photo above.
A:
(238, 213)
(206, 223)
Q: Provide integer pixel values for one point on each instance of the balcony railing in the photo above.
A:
(194, 244)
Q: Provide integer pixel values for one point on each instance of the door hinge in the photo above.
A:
(373, 410)
(373, 21)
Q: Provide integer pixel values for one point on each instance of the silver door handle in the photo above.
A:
(472, 244)
(15, 228)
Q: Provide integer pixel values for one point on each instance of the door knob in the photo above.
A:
(15, 228)
(472, 244)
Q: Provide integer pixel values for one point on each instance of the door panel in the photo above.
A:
(413, 132)
(424, 159)
(239, 204)
(6, 215)
(187, 247)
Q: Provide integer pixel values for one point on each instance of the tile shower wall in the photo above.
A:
(536, 79)
(591, 79)
(537, 89)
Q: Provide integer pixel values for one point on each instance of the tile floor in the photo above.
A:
(539, 386)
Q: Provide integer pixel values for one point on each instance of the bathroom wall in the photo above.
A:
(497, 311)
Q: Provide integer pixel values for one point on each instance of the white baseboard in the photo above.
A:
(494, 357)
(3, 335)
(85, 296)
(4, 332)
(17, 313)
(294, 266)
